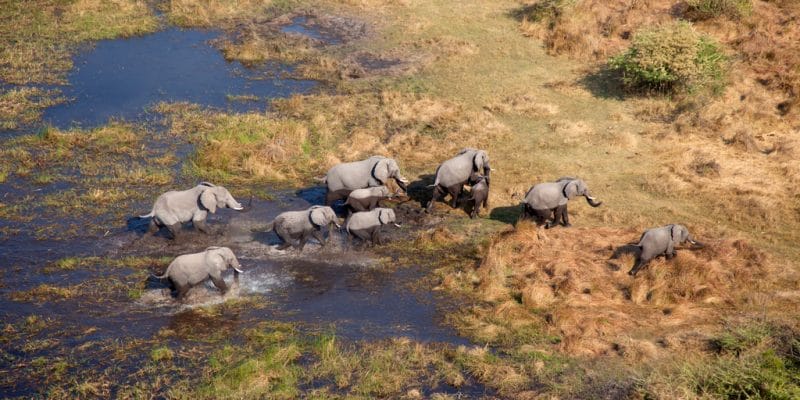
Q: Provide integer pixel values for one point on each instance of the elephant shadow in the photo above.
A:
(315, 195)
(507, 214)
(421, 190)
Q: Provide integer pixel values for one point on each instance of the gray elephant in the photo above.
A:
(174, 208)
(656, 242)
(455, 172)
(366, 225)
(190, 270)
(367, 199)
(295, 227)
(550, 199)
(374, 171)
(478, 194)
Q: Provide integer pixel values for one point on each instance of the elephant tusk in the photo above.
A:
(591, 198)
(238, 270)
(397, 225)
(239, 208)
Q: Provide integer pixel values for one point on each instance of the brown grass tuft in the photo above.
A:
(564, 278)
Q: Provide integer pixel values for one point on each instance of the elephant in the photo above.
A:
(173, 208)
(550, 199)
(656, 242)
(366, 225)
(366, 199)
(479, 194)
(189, 270)
(455, 172)
(294, 227)
(346, 177)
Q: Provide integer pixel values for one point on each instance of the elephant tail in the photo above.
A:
(166, 274)
(152, 213)
(634, 249)
(266, 228)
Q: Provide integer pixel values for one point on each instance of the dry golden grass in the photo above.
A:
(22, 106)
(207, 13)
(563, 280)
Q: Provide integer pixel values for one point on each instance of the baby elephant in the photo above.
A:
(294, 227)
(191, 270)
(479, 194)
(173, 208)
(366, 199)
(366, 225)
(656, 242)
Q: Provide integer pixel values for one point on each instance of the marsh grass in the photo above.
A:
(42, 34)
(22, 106)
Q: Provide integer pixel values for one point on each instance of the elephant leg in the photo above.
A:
(201, 226)
(637, 265)
(220, 284)
(285, 237)
(182, 291)
(565, 216)
(302, 242)
(455, 193)
(153, 227)
(437, 194)
(670, 253)
(555, 214)
(318, 235)
(174, 229)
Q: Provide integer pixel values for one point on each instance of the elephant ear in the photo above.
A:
(317, 216)
(215, 258)
(380, 217)
(479, 160)
(208, 200)
(571, 189)
(675, 233)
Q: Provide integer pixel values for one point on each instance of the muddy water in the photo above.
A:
(356, 294)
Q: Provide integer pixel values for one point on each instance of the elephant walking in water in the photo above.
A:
(347, 177)
(189, 270)
(656, 242)
(174, 208)
(550, 199)
(455, 172)
(366, 225)
(295, 227)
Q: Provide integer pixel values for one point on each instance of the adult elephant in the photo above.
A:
(374, 171)
(189, 270)
(455, 172)
(550, 199)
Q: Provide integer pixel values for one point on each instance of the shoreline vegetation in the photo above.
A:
(549, 88)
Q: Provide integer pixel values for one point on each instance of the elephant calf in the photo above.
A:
(550, 199)
(656, 242)
(190, 270)
(366, 225)
(174, 208)
(478, 195)
(366, 199)
(294, 227)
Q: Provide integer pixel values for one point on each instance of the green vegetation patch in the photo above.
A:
(671, 58)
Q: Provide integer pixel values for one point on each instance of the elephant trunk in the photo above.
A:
(695, 243)
(593, 201)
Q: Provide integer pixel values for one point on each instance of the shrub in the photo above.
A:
(698, 10)
(671, 58)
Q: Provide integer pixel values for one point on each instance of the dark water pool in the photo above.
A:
(121, 78)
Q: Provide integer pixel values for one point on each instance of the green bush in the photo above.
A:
(698, 10)
(671, 58)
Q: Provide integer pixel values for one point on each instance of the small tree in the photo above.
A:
(671, 58)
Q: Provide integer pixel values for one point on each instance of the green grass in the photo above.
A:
(707, 9)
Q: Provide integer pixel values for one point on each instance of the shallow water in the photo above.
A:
(121, 78)
(352, 293)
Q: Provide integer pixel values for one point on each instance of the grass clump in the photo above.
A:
(40, 35)
(698, 10)
(23, 106)
(671, 58)
(161, 353)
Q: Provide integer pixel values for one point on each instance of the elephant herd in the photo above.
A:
(362, 186)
